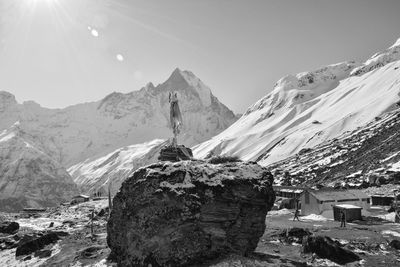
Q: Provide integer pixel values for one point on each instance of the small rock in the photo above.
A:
(43, 253)
(30, 244)
(90, 252)
(102, 212)
(294, 234)
(7, 243)
(326, 248)
(395, 244)
(28, 258)
(180, 152)
(51, 225)
(69, 223)
(9, 227)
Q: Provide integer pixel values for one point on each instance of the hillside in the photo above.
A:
(310, 108)
(94, 176)
(28, 176)
(365, 154)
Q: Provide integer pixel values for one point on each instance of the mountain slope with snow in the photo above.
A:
(94, 176)
(73, 134)
(305, 110)
(355, 157)
(28, 176)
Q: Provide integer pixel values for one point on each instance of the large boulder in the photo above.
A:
(326, 248)
(174, 214)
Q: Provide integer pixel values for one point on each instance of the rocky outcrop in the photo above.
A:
(326, 248)
(174, 214)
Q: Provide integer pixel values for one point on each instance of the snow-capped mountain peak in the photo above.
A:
(28, 176)
(379, 60)
(50, 140)
(309, 108)
(78, 132)
(396, 44)
(182, 79)
(293, 90)
(6, 100)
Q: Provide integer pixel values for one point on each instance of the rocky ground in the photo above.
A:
(191, 211)
(369, 239)
(76, 245)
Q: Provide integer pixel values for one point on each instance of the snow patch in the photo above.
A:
(314, 217)
(390, 232)
(279, 212)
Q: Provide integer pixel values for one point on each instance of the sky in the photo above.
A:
(64, 52)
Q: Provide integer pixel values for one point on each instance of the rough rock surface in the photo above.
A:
(9, 227)
(174, 214)
(326, 248)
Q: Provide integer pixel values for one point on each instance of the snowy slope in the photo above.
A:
(28, 176)
(356, 156)
(309, 108)
(75, 133)
(94, 176)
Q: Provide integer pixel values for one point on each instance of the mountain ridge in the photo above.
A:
(29, 177)
(90, 129)
(309, 108)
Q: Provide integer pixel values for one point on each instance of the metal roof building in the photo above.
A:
(351, 212)
(318, 201)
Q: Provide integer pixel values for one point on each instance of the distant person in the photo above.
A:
(342, 219)
(296, 215)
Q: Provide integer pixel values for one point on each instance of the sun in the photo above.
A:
(34, 2)
(41, 0)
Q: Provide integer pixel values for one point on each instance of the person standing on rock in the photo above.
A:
(342, 219)
(175, 116)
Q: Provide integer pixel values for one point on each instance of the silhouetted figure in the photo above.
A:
(296, 215)
(342, 219)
